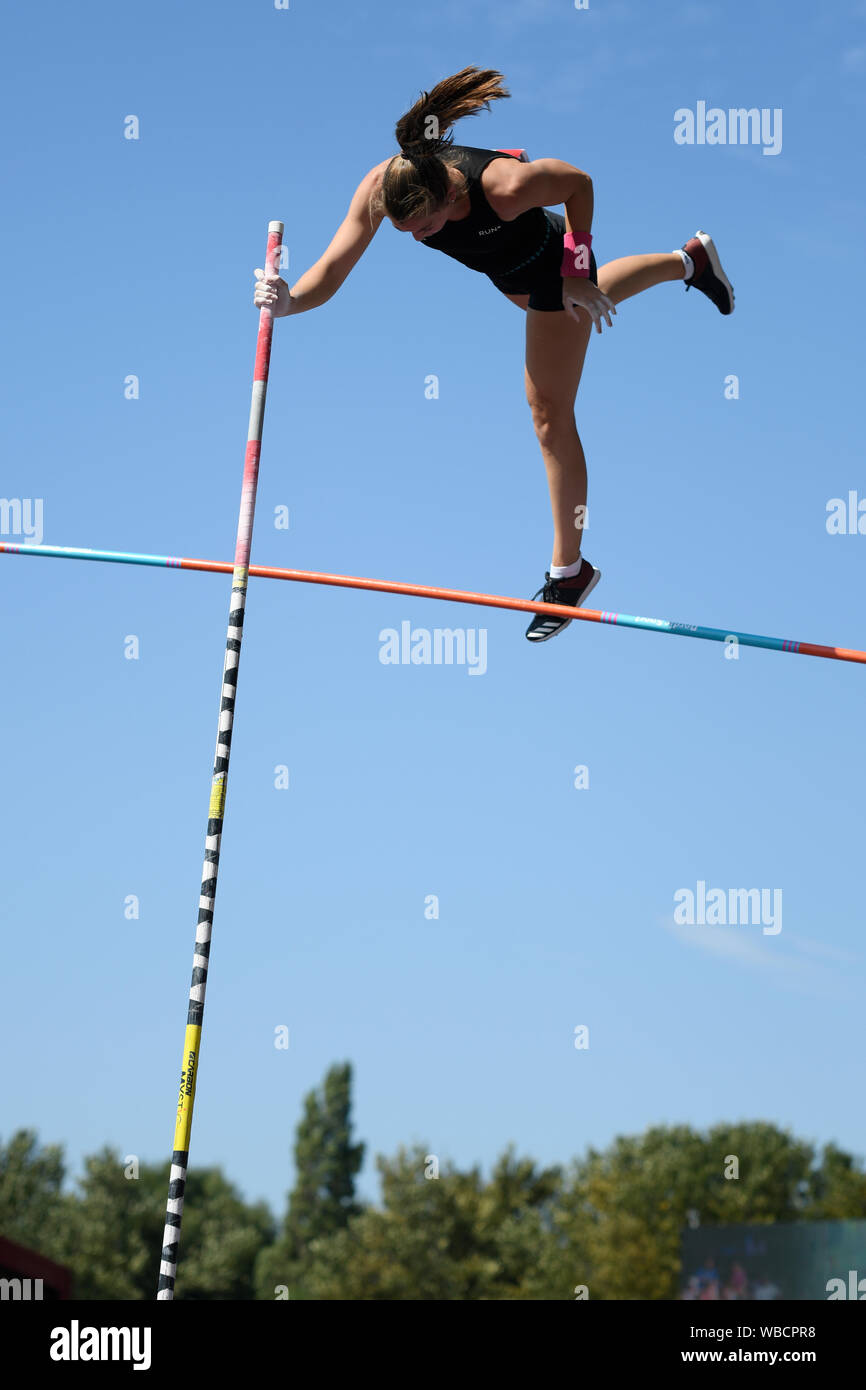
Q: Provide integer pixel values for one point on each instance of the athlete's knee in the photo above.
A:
(553, 419)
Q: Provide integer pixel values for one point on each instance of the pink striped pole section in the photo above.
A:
(219, 781)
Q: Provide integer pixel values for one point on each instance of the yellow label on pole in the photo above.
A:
(186, 1094)
(217, 797)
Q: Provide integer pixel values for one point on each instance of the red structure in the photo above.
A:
(25, 1267)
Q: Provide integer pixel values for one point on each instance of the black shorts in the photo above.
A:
(540, 278)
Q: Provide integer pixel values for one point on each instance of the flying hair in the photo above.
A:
(417, 182)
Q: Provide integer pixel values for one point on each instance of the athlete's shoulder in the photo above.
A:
(502, 172)
(368, 190)
(373, 177)
(504, 183)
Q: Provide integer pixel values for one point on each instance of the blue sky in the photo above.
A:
(556, 905)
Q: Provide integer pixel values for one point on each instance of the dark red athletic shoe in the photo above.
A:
(709, 277)
(569, 592)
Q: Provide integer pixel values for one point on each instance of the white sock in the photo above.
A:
(566, 571)
(687, 262)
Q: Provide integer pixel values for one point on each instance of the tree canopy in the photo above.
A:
(607, 1225)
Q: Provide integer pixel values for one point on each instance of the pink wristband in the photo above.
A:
(575, 255)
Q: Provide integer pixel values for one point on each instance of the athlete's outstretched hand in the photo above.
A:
(580, 293)
(272, 293)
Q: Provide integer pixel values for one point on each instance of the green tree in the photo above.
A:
(838, 1189)
(322, 1201)
(33, 1209)
(613, 1224)
(109, 1231)
(613, 1221)
(629, 1204)
(451, 1236)
(116, 1236)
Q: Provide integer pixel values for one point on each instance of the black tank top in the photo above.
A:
(482, 240)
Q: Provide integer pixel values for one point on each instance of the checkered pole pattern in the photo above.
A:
(216, 809)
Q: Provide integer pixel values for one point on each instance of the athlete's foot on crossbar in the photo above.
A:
(569, 592)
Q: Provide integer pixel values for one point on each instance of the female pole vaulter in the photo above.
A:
(490, 210)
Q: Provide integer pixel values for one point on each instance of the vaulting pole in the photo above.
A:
(216, 809)
(387, 586)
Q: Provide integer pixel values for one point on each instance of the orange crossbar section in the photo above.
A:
(520, 605)
(388, 586)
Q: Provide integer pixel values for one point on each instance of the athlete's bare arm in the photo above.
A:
(512, 187)
(318, 284)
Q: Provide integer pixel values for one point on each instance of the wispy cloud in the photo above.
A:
(745, 947)
(822, 948)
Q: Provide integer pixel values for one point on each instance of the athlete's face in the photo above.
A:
(425, 225)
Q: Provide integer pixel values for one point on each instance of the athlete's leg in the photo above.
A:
(555, 350)
(521, 300)
(630, 275)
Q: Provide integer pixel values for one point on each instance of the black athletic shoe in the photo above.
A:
(709, 277)
(569, 592)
